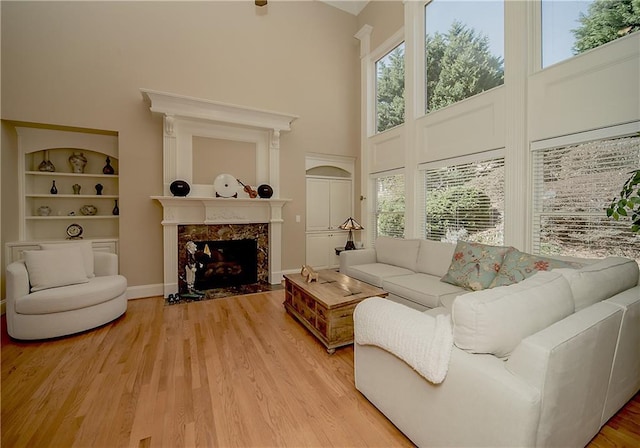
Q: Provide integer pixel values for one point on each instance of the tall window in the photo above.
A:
(390, 89)
(573, 185)
(572, 27)
(464, 46)
(465, 200)
(388, 219)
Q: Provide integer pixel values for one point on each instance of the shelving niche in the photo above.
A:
(36, 144)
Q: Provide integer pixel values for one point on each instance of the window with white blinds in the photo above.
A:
(573, 186)
(463, 199)
(388, 216)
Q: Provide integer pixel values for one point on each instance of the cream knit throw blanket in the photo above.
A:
(422, 341)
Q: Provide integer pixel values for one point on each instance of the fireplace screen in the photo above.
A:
(225, 263)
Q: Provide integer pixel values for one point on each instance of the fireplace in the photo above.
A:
(186, 118)
(225, 263)
(225, 255)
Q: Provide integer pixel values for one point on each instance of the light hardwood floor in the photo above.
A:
(226, 372)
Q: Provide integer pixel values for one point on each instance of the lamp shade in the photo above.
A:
(351, 224)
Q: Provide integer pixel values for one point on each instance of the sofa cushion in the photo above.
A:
(54, 268)
(601, 280)
(474, 265)
(87, 253)
(496, 320)
(66, 298)
(517, 266)
(375, 273)
(434, 257)
(397, 252)
(423, 289)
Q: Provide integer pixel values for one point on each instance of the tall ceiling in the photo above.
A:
(351, 6)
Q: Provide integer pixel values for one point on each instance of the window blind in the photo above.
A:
(573, 185)
(463, 199)
(388, 217)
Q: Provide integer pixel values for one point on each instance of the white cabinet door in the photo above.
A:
(329, 203)
(318, 204)
(321, 249)
(341, 202)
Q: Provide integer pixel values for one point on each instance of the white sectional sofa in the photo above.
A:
(544, 361)
(409, 270)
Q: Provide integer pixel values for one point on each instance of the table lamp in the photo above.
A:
(350, 224)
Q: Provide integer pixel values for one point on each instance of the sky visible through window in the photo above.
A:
(485, 16)
(559, 17)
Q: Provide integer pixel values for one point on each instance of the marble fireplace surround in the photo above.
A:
(185, 118)
(226, 232)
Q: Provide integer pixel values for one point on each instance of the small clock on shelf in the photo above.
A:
(74, 231)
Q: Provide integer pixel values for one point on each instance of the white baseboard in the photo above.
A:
(139, 292)
(133, 292)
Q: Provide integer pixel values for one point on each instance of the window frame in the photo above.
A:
(380, 52)
(560, 143)
(372, 219)
(423, 92)
(477, 158)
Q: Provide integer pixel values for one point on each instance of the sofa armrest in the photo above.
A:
(105, 263)
(17, 281)
(570, 363)
(355, 257)
(421, 340)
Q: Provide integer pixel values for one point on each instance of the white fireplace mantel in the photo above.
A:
(186, 118)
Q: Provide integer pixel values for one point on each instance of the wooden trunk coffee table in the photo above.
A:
(326, 307)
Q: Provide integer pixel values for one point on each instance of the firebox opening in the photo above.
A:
(226, 263)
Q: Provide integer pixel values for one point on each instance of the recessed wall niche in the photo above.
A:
(213, 156)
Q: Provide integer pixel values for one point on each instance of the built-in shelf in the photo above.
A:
(72, 217)
(61, 174)
(73, 196)
(74, 189)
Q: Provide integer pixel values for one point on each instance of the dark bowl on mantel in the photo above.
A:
(179, 188)
(265, 191)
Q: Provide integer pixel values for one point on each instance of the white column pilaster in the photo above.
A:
(517, 225)
(367, 119)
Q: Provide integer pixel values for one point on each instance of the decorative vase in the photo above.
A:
(99, 188)
(78, 161)
(46, 164)
(54, 189)
(108, 169)
(76, 188)
(265, 191)
(88, 210)
(116, 210)
(179, 188)
(44, 210)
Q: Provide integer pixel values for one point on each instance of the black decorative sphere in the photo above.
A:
(265, 191)
(179, 188)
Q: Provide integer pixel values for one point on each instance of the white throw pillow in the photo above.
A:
(496, 320)
(434, 257)
(53, 268)
(87, 253)
(601, 280)
(397, 252)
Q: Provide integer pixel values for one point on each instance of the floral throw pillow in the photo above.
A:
(474, 265)
(519, 265)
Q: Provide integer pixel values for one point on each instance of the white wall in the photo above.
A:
(82, 64)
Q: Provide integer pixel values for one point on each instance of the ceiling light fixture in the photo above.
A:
(261, 2)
